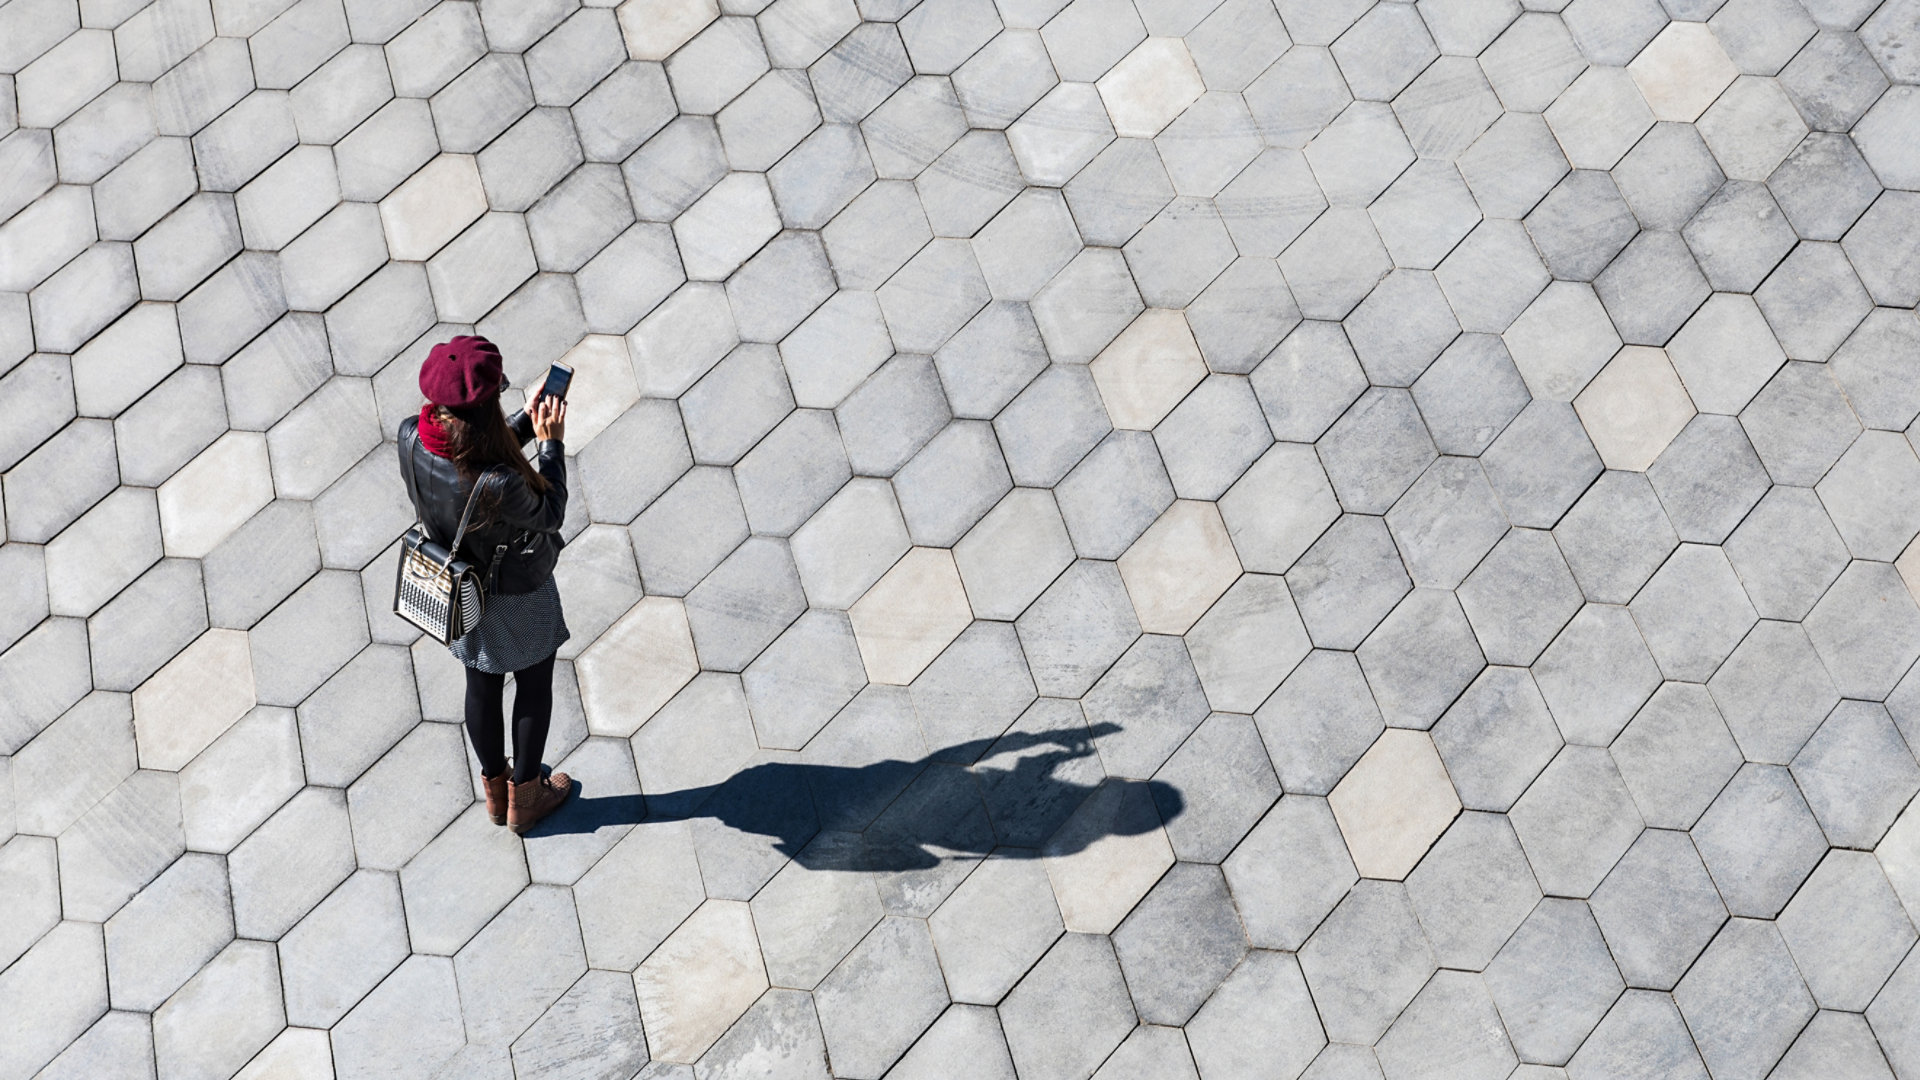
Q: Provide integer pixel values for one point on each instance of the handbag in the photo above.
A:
(436, 590)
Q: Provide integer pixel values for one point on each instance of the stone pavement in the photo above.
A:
(1120, 538)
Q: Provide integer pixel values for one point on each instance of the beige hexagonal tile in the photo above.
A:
(603, 387)
(636, 666)
(1149, 87)
(1145, 372)
(214, 494)
(909, 615)
(1179, 567)
(653, 29)
(1394, 803)
(698, 982)
(193, 700)
(1107, 856)
(1634, 408)
(1682, 71)
(432, 207)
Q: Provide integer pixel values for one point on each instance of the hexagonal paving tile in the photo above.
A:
(1048, 482)
(1394, 804)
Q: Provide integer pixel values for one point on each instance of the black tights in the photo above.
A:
(532, 711)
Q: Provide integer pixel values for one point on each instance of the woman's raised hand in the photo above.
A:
(549, 417)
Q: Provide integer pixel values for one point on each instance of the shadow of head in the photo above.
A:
(1022, 795)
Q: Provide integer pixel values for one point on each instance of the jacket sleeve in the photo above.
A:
(521, 507)
(403, 442)
(521, 425)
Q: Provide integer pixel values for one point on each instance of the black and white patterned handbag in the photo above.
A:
(435, 590)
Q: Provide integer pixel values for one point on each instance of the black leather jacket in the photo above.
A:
(526, 521)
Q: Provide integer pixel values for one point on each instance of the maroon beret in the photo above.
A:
(462, 372)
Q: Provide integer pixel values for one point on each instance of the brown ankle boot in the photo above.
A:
(529, 802)
(496, 797)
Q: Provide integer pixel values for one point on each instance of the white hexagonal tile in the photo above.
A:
(1634, 408)
(1394, 803)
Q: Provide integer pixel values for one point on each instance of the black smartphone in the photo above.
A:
(557, 379)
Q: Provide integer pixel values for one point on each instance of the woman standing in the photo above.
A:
(459, 439)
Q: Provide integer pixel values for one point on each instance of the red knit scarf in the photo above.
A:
(432, 435)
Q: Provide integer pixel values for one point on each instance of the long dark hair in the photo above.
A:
(478, 438)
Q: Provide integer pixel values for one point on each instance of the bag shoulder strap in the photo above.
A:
(466, 515)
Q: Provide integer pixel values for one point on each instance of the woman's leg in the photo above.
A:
(486, 725)
(532, 712)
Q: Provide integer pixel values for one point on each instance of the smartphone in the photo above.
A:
(557, 379)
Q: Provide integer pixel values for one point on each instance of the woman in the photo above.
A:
(459, 438)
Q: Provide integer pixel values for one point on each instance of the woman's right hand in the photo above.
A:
(549, 416)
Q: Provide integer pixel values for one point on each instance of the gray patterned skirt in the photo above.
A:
(515, 632)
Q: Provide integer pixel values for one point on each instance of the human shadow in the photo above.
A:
(894, 815)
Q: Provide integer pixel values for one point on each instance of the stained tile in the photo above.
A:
(1366, 962)
(881, 997)
(1854, 774)
(700, 980)
(1444, 1022)
(1576, 821)
(1419, 657)
(1149, 87)
(1472, 890)
(1642, 1034)
(1759, 841)
(1268, 985)
(1553, 980)
(1496, 738)
(223, 1015)
(1319, 722)
(1070, 1011)
(1845, 963)
(1747, 972)
(994, 926)
(652, 642)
